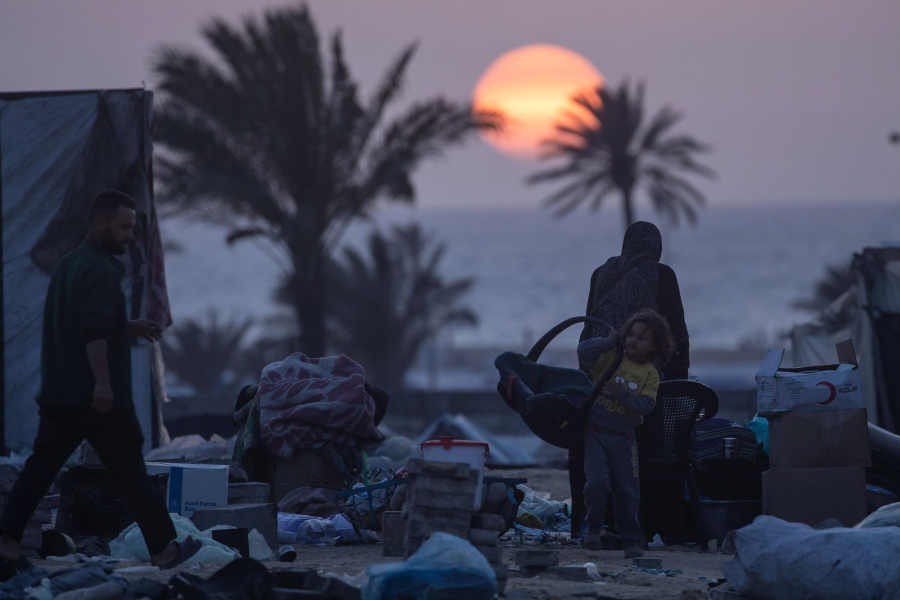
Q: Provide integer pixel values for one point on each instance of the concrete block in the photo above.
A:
(647, 563)
(537, 558)
(453, 517)
(491, 553)
(249, 493)
(441, 500)
(484, 537)
(262, 517)
(441, 485)
(31, 538)
(393, 535)
(416, 527)
(417, 467)
(569, 572)
(487, 521)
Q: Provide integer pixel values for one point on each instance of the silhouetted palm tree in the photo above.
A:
(200, 353)
(384, 307)
(832, 285)
(613, 150)
(267, 140)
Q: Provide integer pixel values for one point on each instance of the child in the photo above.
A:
(610, 452)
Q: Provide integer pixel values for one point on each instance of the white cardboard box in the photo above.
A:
(193, 486)
(805, 389)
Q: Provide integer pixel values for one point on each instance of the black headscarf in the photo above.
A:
(638, 288)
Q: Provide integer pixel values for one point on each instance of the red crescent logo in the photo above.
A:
(833, 390)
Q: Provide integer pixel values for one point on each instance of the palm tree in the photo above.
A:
(384, 307)
(269, 141)
(835, 282)
(201, 353)
(613, 151)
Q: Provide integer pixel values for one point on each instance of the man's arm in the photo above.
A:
(103, 393)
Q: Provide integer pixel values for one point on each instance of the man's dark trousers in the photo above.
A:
(118, 441)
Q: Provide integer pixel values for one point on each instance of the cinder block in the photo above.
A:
(441, 485)
(437, 515)
(417, 467)
(417, 527)
(262, 517)
(249, 493)
(393, 534)
(569, 572)
(491, 553)
(484, 537)
(487, 521)
(444, 501)
(537, 558)
(647, 563)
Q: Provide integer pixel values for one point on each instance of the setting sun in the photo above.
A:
(532, 87)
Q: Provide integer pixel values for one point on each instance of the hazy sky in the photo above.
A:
(796, 96)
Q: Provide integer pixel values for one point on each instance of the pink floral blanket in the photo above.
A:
(306, 402)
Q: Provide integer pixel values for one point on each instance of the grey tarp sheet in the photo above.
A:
(57, 150)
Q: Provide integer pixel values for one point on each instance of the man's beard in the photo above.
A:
(112, 245)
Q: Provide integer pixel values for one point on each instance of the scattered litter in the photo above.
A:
(666, 572)
(656, 543)
(886, 516)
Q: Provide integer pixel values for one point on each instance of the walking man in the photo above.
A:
(86, 386)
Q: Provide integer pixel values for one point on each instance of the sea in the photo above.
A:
(740, 269)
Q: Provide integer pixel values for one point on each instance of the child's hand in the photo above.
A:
(611, 389)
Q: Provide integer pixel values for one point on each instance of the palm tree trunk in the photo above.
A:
(309, 293)
(627, 208)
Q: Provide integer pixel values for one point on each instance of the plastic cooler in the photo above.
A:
(446, 449)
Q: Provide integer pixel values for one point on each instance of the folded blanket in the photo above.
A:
(306, 402)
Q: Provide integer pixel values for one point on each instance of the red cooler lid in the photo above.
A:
(447, 442)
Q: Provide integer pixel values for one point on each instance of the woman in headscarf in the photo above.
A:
(625, 284)
(635, 280)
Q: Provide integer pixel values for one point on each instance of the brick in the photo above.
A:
(569, 572)
(491, 553)
(41, 516)
(249, 493)
(444, 501)
(417, 467)
(393, 534)
(537, 558)
(484, 537)
(445, 486)
(487, 521)
(31, 538)
(262, 517)
(437, 515)
(418, 528)
(647, 563)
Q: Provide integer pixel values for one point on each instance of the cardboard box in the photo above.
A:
(193, 486)
(805, 389)
(812, 495)
(818, 440)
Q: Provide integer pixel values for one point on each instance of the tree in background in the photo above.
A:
(615, 151)
(200, 354)
(385, 306)
(832, 285)
(273, 143)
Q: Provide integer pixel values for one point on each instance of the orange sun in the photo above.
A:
(532, 87)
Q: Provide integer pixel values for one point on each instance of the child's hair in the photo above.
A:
(662, 335)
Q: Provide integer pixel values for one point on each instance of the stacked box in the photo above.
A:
(31, 538)
(818, 440)
(441, 498)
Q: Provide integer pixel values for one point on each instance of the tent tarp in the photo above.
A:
(58, 150)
